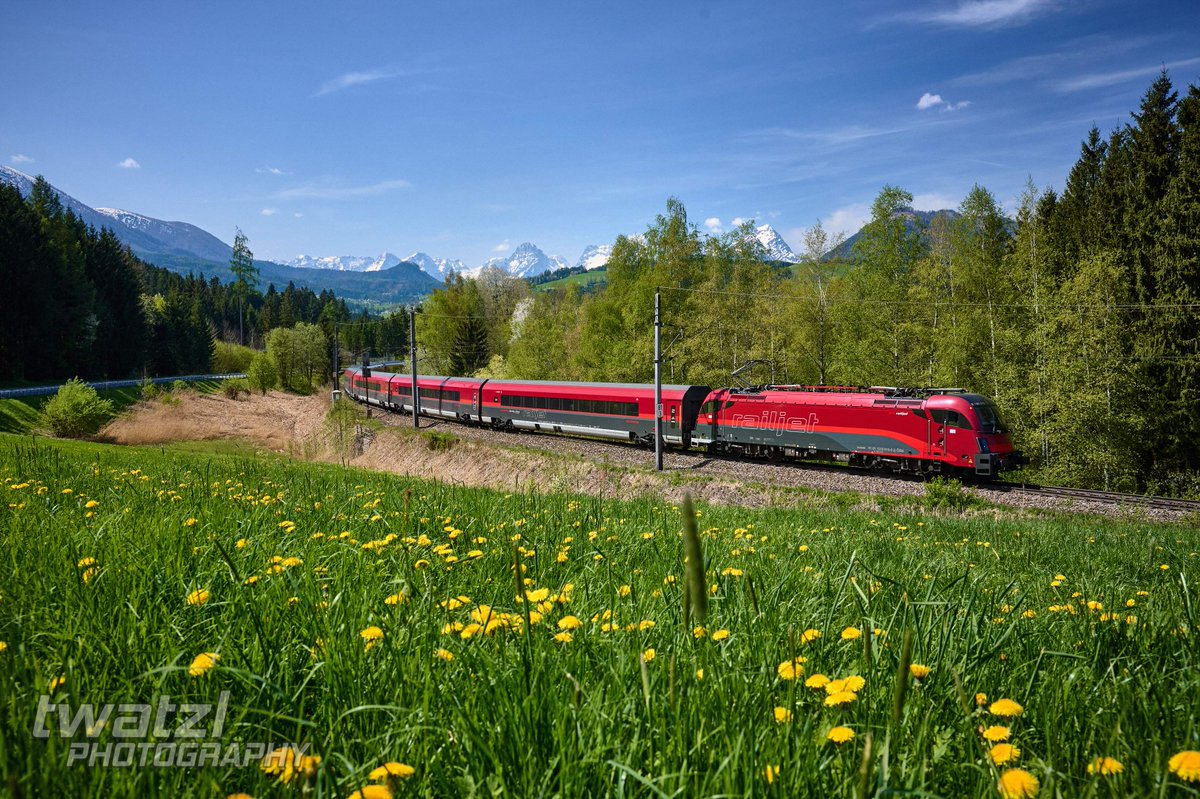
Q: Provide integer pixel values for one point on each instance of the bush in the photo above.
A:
(231, 358)
(948, 494)
(235, 388)
(149, 389)
(439, 442)
(76, 411)
(262, 374)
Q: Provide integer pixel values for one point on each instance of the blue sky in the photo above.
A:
(463, 129)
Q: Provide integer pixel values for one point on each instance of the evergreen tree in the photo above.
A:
(241, 263)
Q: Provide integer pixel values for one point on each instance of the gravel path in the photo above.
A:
(831, 479)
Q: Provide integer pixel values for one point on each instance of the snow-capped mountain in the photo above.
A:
(346, 263)
(594, 256)
(775, 248)
(526, 261)
(436, 267)
(144, 234)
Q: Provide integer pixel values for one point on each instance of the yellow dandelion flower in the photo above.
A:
(624, 591)
(563, 637)
(720, 635)
(56, 683)
(190, 523)
(3, 647)
(840, 735)
(1105, 767)
(772, 772)
(1005, 708)
(1185, 765)
(85, 562)
(817, 682)
(371, 633)
(699, 672)
(648, 655)
(810, 635)
(782, 715)
(995, 733)
(791, 669)
(396, 599)
(645, 624)
(242, 543)
(1017, 784)
(840, 698)
(445, 655)
(88, 574)
(699, 632)
(918, 671)
(1002, 754)
(569, 623)
(251, 580)
(203, 663)
(854, 683)
(198, 597)
(392, 770)
(980, 699)
(91, 503)
(851, 634)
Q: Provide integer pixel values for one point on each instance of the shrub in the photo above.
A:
(439, 442)
(231, 358)
(262, 374)
(948, 494)
(235, 387)
(76, 411)
(149, 389)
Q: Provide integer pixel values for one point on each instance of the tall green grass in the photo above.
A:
(637, 702)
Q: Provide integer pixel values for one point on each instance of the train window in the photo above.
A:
(989, 417)
(919, 412)
(950, 418)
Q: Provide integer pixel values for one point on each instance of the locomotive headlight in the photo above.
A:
(983, 445)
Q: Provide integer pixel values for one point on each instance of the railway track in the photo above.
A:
(1105, 497)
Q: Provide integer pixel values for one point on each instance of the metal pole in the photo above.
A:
(335, 362)
(412, 355)
(658, 403)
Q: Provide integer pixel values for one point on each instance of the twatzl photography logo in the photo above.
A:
(159, 734)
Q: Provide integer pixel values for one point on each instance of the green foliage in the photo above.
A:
(231, 358)
(948, 494)
(301, 356)
(262, 375)
(235, 387)
(76, 411)
(439, 442)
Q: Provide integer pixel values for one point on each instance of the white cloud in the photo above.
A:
(928, 101)
(502, 247)
(847, 220)
(990, 13)
(713, 224)
(298, 215)
(21, 159)
(738, 221)
(934, 202)
(271, 170)
(327, 191)
(1098, 80)
(358, 78)
(268, 212)
(129, 163)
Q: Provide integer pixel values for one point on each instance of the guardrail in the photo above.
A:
(44, 391)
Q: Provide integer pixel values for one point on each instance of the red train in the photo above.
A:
(926, 431)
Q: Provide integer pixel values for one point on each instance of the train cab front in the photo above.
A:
(972, 436)
(994, 449)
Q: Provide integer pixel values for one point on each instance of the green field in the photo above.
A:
(375, 620)
(586, 281)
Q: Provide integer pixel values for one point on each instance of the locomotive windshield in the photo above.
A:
(989, 417)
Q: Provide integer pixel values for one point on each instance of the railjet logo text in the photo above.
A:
(162, 734)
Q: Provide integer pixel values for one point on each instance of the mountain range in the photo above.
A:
(184, 248)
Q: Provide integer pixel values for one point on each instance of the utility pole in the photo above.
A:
(658, 403)
(412, 354)
(336, 392)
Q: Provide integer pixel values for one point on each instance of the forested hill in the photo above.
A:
(1081, 317)
(79, 303)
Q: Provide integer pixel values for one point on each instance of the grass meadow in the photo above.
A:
(478, 643)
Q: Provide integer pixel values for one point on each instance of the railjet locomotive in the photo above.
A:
(917, 431)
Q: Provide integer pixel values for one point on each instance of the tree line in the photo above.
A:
(1080, 317)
